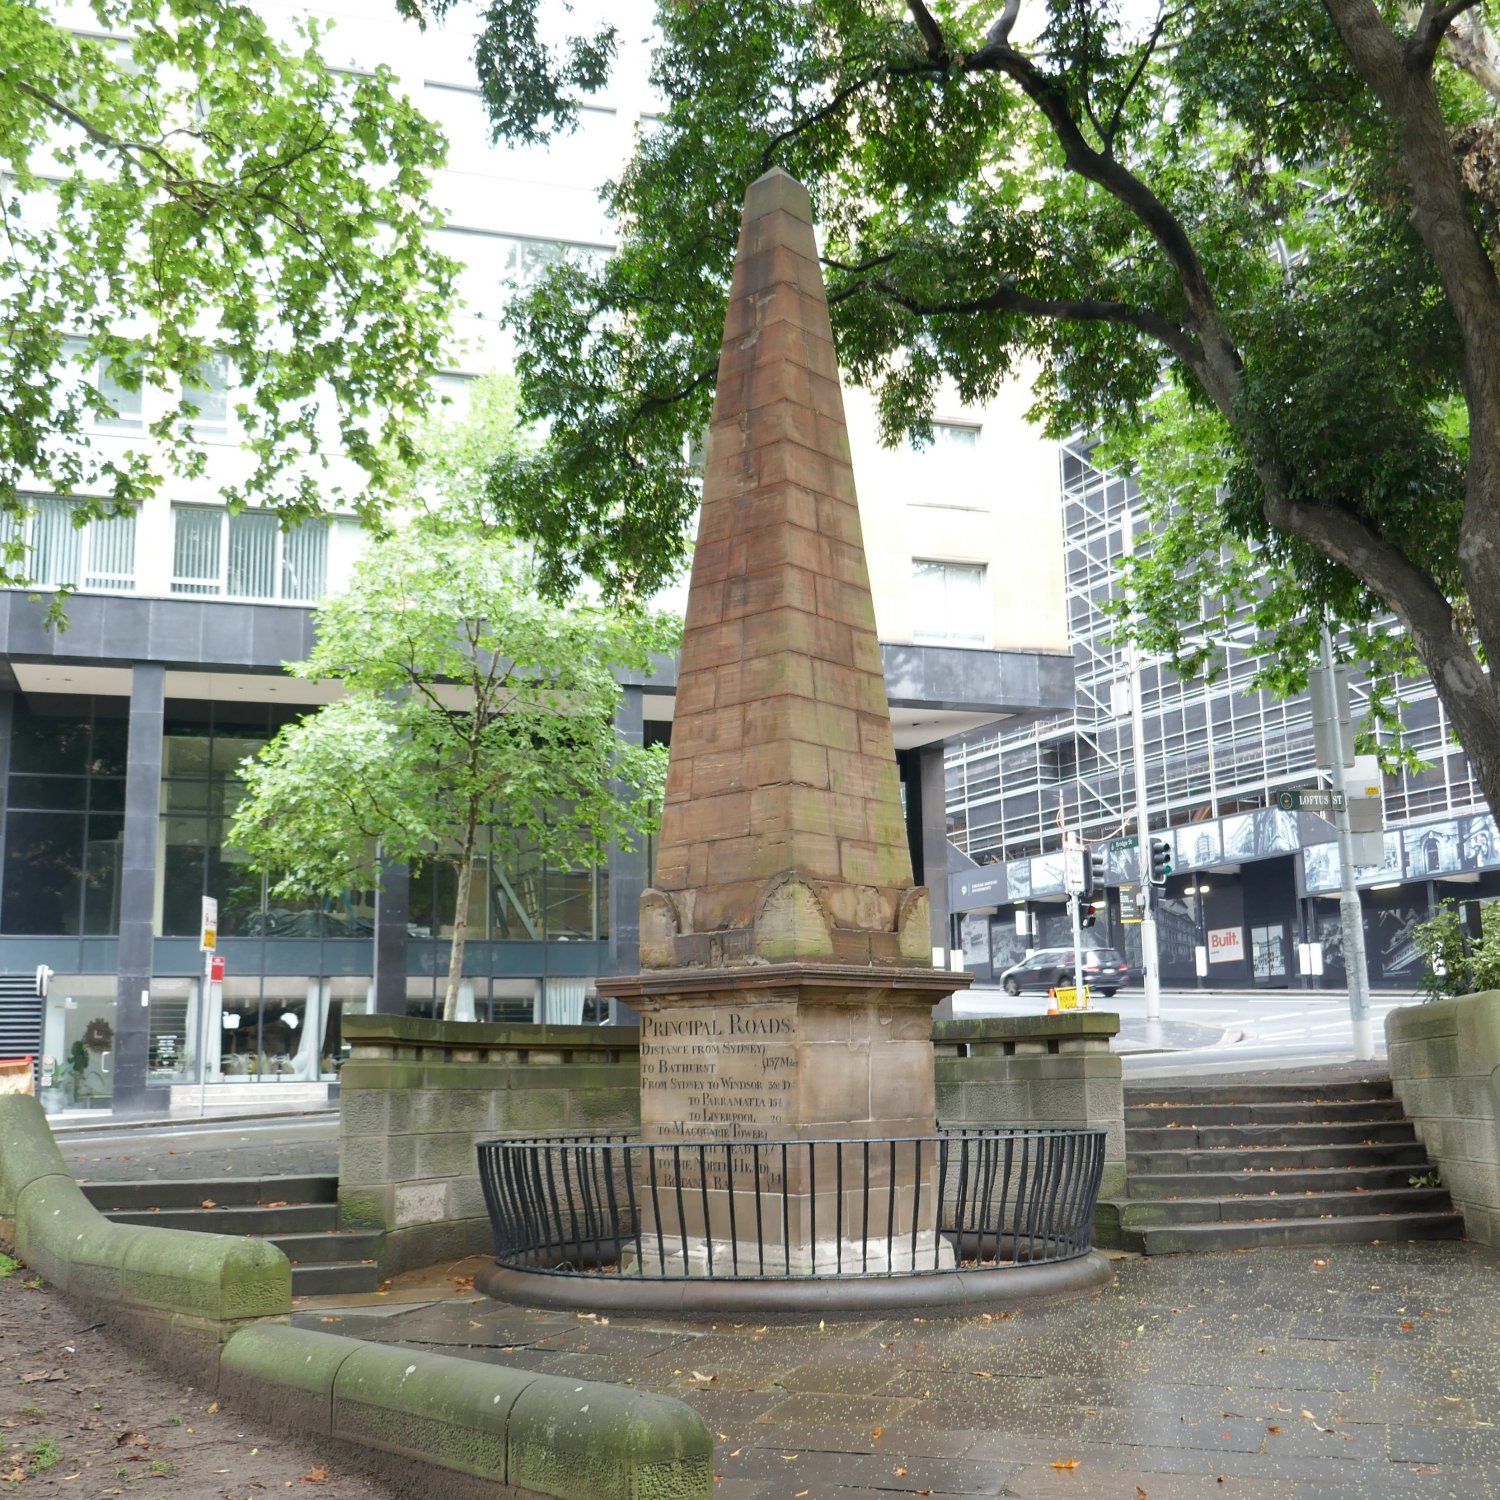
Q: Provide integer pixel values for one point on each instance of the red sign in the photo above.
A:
(216, 968)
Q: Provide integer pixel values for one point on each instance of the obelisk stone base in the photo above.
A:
(741, 1068)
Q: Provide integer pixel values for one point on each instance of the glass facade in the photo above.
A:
(64, 818)
(297, 961)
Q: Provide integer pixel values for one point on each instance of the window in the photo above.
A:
(128, 406)
(949, 602)
(209, 392)
(97, 555)
(250, 555)
(955, 437)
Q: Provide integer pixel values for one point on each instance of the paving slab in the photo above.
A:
(1370, 1370)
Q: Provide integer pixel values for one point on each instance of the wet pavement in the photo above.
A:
(1363, 1371)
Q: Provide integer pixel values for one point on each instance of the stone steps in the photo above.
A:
(299, 1215)
(1254, 1165)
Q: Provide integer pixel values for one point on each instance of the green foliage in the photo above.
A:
(7, 1265)
(1226, 197)
(1454, 963)
(471, 710)
(179, 188)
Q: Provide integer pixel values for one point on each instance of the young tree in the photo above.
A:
(1289, 210)
(190, 200)
(472, 715)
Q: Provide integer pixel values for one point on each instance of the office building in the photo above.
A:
(1253, 899)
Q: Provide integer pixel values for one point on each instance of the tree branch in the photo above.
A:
(999, 34)
(929, 30)
(1432, 26)
(1147, 52)
(1063, 309)
(1217, 365)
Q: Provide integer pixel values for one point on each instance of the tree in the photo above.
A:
(472, 714)
(1287, 210)
(189, 200)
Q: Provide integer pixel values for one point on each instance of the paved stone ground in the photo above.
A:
(1326, 1374)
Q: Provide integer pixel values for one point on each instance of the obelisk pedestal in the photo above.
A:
(786, 984)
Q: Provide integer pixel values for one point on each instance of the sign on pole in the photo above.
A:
(1313, 798)
(1075, 867)
(208, 939)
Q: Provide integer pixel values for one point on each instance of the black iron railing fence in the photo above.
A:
(965, 1198)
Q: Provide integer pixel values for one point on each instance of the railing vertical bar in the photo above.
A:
(661, 1247)
(812, 1199)
(864, 1234)
(890, 1210)
(916, 1197)
(786, 1211)
(734, 1233)
(760, 1228)
(838, 1208)
(708, 1230)
(681, 1206)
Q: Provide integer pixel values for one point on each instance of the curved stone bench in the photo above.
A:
(210, 1304)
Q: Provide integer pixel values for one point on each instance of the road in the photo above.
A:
(1207, 1033)
(1219, 1031)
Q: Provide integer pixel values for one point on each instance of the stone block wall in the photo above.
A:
(1039, 1071)
(1445, 1068)
(418, 1095)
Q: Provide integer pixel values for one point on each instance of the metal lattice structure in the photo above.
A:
(1211, 748)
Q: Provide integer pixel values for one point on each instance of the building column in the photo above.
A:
(627, 872)
(392, 908)
(927, 830)
(138, 889)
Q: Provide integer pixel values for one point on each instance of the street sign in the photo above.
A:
(216, 969)
(208, 939)
(1123, 845)
(1313, 798)
(1075, 870)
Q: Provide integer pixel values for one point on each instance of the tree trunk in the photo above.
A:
(460, 933)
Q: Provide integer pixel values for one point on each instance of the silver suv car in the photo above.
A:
(1103, 970)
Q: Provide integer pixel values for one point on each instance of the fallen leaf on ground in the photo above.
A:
(875, 1436)
(900, 1473)
(703, 1379)
(314, 1476)
(33, 1376)
(1273, 1429)
(132, 1440)
(462, 1283)
(1407, 1327)
(1064, 1463)
(208, 1203)
(982, 1374)
(1140, 1494)
(213, 1406)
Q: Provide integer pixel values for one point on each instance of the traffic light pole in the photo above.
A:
(1150, 962)
(1351, 914)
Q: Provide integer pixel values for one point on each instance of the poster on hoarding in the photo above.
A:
(1226, 945)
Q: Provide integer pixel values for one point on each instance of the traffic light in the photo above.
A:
(1090, 915)
(1096, 872)
(1161, 861)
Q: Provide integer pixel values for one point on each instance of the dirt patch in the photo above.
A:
(82, 1415)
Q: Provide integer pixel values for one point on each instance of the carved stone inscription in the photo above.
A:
(718, 1073)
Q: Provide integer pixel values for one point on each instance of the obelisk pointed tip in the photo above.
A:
(777, 189)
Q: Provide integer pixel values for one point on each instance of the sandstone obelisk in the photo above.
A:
(787, 984)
